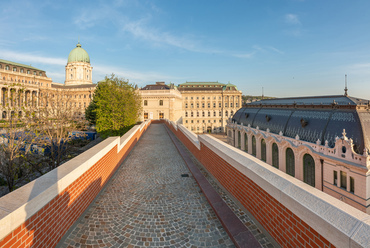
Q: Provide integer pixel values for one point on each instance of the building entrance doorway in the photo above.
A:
(209, 129)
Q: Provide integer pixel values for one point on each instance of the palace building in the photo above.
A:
(322, 141)
(200, 106)
(208, 105)
(203, 106)
(23, 86)
(161, 101)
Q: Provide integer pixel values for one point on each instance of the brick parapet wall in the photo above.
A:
(40, 213)
(294, 213)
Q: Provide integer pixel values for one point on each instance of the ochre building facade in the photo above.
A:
(24, 88)
(199, 106)
(208, 105)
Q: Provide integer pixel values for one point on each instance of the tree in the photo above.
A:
(90, 113)
(118, 106)
(57, 117)
(17, 135)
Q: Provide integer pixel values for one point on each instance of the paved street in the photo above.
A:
(148, 203)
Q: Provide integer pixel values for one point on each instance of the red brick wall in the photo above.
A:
(48, 225)
(284, 226)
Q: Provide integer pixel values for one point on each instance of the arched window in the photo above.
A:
(263, 150)
(275, 155)
(145, 102)
(254, 146)
(246, 142)
(309, 170)
(160, 102)
(290, 163)
(239, 139)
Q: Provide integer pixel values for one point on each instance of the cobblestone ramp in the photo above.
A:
(149, 204)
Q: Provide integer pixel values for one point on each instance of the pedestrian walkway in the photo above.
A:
(150, 203)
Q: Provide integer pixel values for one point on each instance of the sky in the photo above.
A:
(289, 48)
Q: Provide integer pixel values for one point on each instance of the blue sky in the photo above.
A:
(289, 47)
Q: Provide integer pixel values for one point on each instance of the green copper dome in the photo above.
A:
(78, 54)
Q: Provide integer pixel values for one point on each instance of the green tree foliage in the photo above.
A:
(90, 113)
(118, 106)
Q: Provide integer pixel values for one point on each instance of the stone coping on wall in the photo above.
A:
(338, 222)
(190, 135)
(19, 205)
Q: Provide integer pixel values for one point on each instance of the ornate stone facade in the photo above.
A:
(161, 101)
(290, 137)
(22, 87)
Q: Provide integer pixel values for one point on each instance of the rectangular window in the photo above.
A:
(161, 115)
(335, 178)
(214, 105)
(236, 105)
(219, 104)
(145, 116)
(343, 180)
(225, 104)
(202, 105)
(352, 185)
(231, 105)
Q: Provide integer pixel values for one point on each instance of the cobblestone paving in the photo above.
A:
(149, 204)
(239, 212)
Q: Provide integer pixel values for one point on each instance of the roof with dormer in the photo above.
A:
(3, 61)
(311, 118)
